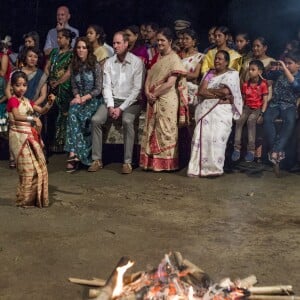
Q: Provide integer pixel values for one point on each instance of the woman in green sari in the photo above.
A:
(59, 84)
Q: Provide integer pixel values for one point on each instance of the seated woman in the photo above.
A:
(221, 100)
(96, 37)
(86, 79)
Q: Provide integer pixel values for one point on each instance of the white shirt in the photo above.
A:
(51, 40)
(122, 80)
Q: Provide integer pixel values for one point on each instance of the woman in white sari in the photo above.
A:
(221, 101)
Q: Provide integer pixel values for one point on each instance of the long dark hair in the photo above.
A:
(99, 30)
(91, 59)
(136, 31)
(25, 51)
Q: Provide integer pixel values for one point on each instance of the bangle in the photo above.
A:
(29, 118)
(261, 113)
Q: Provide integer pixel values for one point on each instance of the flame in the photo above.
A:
(119, 282)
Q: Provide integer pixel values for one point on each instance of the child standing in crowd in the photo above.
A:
(255, 94)
(283, 104)
(26, 144)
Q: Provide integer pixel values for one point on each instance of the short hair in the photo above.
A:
(294, 56)
(258, 63)
(124, 35)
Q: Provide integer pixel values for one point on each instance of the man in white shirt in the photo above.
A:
(123, 76)
(62, 16)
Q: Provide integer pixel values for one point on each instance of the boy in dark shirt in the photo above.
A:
(283, 104)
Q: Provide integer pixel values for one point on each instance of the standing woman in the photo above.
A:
(26, 145)
(221, 101)
(222, 34)
(136, 44)
(86, 81)
(5, 65)
(166, 93)
(57, 68)
(96, 36)
(259, 51)
(191, 59)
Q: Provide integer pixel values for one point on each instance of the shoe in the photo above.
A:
(249, 157)
(95, 166)
(72, 166)
(235, 155)
(12, 164)
(72, 159)
(126, 169)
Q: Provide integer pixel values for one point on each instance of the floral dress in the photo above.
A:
(78, 139)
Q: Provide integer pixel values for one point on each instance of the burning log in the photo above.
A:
(106, 293)
(272, 290)
(180, 279)
(93, 282)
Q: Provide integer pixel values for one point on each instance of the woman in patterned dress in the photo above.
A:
(86, 78)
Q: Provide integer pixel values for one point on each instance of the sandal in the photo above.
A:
(72, 166)
(72, 158)
(12, 164)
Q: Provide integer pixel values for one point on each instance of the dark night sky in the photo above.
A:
(277, 23)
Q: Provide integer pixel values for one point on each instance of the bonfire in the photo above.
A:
(177, 278)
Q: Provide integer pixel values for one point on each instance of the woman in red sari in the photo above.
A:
(166, 93)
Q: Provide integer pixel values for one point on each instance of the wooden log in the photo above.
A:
(271, 290)
(107, 291)
(93, 282)
(93, 293)
(273, 297)
(192, 267)
(247, 282)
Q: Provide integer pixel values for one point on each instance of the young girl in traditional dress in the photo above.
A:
(26, 144)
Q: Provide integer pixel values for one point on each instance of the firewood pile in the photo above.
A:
(177, 278)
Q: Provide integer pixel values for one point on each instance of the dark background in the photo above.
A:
(277, 20)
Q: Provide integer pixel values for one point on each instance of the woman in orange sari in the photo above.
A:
(166, 93)
(26, 144)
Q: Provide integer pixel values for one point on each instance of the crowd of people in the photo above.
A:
(62, 99)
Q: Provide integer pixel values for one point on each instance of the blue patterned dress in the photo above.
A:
(78, 139)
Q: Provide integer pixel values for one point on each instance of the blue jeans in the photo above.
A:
(278, 140)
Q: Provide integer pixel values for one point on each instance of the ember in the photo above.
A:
(176, 278)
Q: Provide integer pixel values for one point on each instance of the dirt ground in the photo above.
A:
(236, 225)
